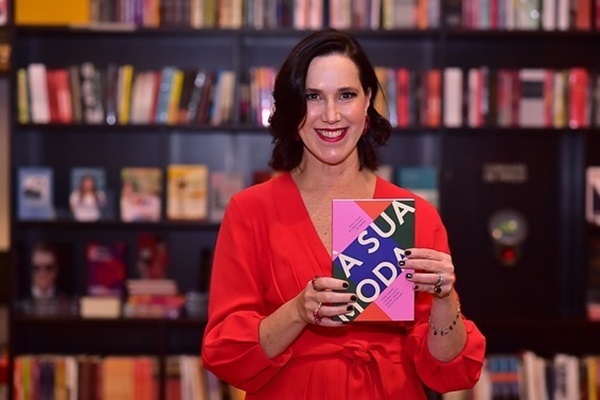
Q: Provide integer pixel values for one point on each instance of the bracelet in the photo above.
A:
(445, 331)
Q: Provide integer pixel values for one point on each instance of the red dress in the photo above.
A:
(266, 252)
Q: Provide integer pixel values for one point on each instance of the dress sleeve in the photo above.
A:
(464, 370)
(230, 347)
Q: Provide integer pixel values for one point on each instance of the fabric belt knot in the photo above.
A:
(361, 351)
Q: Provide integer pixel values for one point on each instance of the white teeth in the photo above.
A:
(331, 134)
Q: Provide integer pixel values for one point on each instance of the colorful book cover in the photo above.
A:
(87, 199)
(141, 194)
(223, 185)
(35, 197)
(106, 270)
(187, 192)
(369, 239)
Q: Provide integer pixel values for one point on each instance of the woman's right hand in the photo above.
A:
(322, 299)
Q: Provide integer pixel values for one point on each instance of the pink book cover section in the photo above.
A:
(369, 239)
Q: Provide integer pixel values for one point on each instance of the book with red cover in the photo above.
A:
(369, 239)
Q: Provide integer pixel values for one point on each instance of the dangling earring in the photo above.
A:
(367, 125)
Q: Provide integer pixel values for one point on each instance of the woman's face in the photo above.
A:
(336, 107)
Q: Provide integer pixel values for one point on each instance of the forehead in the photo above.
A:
(42, 257)
(335, 70)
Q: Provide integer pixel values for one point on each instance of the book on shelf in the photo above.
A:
(141, 192)
(592, 300)
(421, 180)
(87, 198)
(592, 195)
(3, 12)
(35, 195)
(187, 192)
(222, 186)
(59, 12)
(153, 259)
(369, 238)
(100, 306)
(106, 268)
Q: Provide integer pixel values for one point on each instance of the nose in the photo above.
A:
(331, 114)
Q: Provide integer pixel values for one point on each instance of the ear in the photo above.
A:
(368, 98)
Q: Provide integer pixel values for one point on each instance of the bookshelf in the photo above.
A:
(540, 297)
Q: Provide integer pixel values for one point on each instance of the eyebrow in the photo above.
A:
(342, 89)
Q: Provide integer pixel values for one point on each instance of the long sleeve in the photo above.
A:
(231, 347)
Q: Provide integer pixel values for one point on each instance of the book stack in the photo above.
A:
(153, 298)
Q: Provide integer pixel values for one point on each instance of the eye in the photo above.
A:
(312, 96)
(347, 95)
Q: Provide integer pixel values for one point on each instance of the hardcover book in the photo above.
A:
(369, 239)
(106, 270)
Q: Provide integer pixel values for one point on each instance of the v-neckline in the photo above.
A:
(314, 238)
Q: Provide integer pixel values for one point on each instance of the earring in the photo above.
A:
(367, 125)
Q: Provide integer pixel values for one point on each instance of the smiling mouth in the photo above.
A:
(331, 133)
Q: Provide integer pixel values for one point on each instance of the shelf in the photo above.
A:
(136, 128)
(47, 334)
(491, 34)
(546, 336)
(118, 225)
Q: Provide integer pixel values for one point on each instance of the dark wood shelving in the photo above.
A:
(118, 225)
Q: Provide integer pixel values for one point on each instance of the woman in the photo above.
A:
(272, 296)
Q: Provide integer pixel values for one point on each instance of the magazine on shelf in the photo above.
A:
(369, 239)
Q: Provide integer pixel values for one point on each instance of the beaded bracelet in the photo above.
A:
(445, 331)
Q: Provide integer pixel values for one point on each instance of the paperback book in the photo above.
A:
(369, 239)
(35, 199)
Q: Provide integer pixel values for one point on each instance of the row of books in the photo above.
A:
(234, 14)
(452, 97)
(529, 376)
(119, 94)
(526, 97)
(546, 15)
(116, 378)
(3, 12)
(192, 194)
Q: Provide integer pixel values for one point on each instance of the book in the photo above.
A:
(35, 196)
(223, 185)
(422, 181)
(88, 194)
(369, 239)
(152, 256)
(60, 12)
(592, 196)
(106, 269)
(141, 194)
(187, 192)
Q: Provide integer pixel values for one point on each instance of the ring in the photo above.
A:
(314, 285)
(441, 280)
(438, 289)
(316, 315)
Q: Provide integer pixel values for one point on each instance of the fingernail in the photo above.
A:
(401, 263)
(408, 276)
(345, 285)
(349, 308)
(407, 252)
(353, 298)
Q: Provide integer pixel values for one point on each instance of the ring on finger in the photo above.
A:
(316, 315)
(441, 280)
(437, 289)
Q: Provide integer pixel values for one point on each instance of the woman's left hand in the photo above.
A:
(433, 271)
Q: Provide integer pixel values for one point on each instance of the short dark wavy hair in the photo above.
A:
(290, 100)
